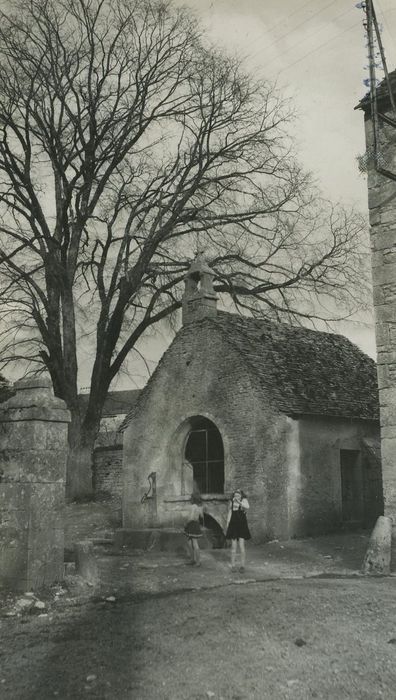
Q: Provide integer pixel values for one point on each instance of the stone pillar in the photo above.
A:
(382, 210)
(33, 452)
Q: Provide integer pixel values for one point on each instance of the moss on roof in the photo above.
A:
(306, 372)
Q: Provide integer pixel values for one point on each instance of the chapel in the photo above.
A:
(288, 414)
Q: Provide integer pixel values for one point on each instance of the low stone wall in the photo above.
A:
(107, 473)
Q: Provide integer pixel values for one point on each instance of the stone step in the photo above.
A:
(156, 540)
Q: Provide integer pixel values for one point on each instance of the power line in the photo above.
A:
(281, 21)
(318, 48)
(304, 39)
(300, 24)
(290, 14)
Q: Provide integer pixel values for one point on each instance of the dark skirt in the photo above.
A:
(193, 529)
(238, 527)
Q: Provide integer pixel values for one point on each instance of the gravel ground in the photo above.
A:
(301, 623)
(298, 639)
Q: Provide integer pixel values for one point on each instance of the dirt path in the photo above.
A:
(286, 639)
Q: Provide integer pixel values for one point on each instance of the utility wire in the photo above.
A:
(281, 21)
(300, 24)
(311, 34)
(290, 14)
(318, 48)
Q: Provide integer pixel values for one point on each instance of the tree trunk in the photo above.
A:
(79, 463)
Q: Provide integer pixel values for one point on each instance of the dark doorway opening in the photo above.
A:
(351, 486)
(204, 450)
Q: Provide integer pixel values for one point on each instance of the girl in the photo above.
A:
(193, 529)
(237, 527)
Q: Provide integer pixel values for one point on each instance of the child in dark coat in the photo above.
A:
(237, 527)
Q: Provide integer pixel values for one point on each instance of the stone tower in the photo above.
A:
(382, 211)
(199, 299)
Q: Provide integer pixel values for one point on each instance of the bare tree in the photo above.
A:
(123, 138)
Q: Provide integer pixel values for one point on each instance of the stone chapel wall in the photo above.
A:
(201, 375)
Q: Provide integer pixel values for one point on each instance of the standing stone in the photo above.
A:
(377, 559)
(33, 452)
(86, 564)
(382, 210)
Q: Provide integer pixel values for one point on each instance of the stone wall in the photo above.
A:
(202, 375)
(382, 209)
(320, 502)
(107, 473)
(33, 452)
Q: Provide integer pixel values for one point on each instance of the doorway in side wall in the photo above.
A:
(351, 486)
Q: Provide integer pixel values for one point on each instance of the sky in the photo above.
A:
(314, 50)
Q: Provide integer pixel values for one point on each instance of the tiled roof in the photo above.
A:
(304, 371)
(382, 93)
(308, 372)
(117, 402)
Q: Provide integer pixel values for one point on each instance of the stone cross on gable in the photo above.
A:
(199, 299)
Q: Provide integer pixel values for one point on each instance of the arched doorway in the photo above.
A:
(205, 452)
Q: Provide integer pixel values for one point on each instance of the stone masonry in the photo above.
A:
(382, 209)
(33, 451)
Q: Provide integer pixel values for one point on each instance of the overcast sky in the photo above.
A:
(315, 51)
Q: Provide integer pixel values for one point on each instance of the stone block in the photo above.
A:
(388, 416)
(375, 216)
(33, 465)
(387, 396)
(388, 215)
(386, 312)
(382, 333)
(388, 454)
(378, 555)
(385, 275)
(86, 563)
(386, 356)
(157, 540)
(387, 431)
(383, 376)
(47, 499)
(45, 558)
(13, 567)
(14, 496)
(382, 238)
